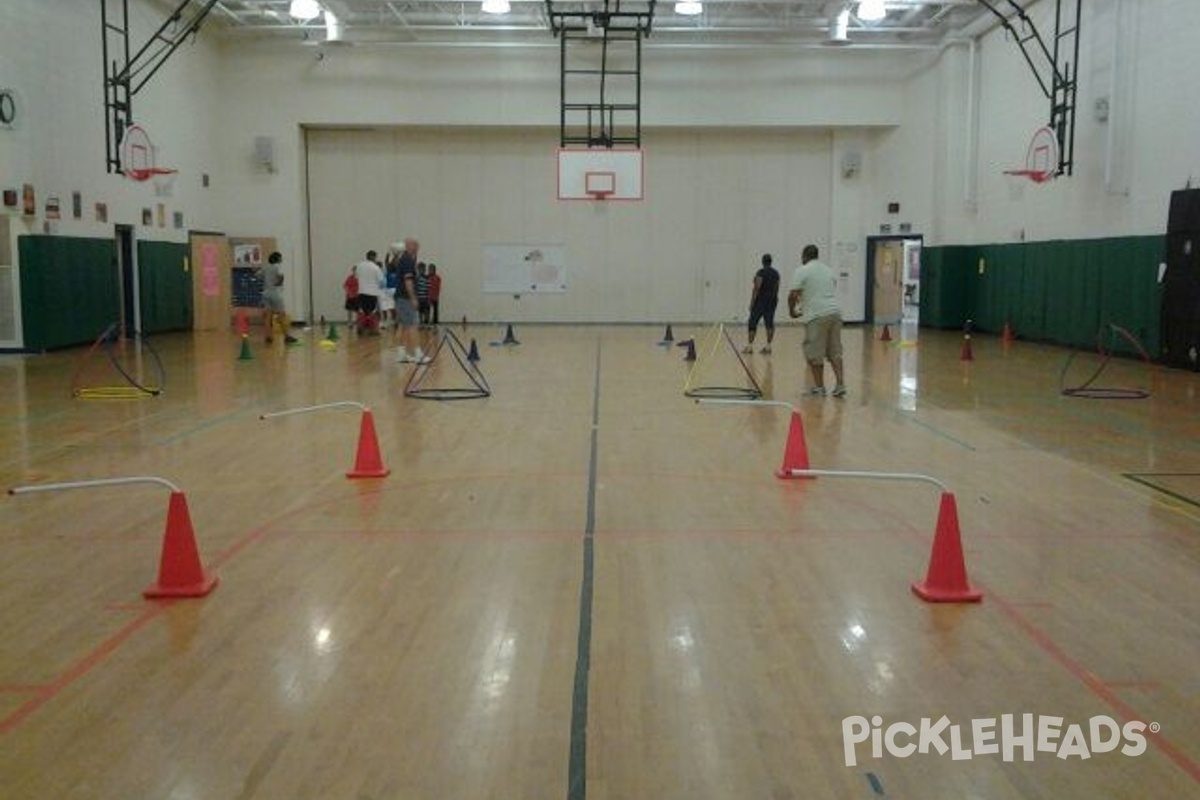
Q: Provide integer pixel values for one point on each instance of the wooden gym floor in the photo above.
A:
(587, 584)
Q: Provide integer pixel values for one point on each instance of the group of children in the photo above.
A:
(428, 287)
(401, 291)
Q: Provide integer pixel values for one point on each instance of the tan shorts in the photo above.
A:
(823, 339)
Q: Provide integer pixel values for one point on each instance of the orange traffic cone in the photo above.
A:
(946, 580)
(180, 573)
(241, 324)
(795, 453)
(368, 463)
(886, 336)
(966, 354)
(1007, 335)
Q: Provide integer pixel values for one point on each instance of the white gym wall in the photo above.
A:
(714, 202)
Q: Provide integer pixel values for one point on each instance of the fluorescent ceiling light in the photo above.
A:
(871, 10)
(495, 7)
(333, 27)
(304, 10)
(839, 26)
(689, 8)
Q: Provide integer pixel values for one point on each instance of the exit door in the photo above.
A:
(724, 283)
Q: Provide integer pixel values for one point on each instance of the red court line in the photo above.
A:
(1098, 687)
(89, 662)
(49, 691)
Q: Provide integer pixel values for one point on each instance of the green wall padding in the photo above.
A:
(69, 291)
(1058, 291)
(164, 287)
(944, 286)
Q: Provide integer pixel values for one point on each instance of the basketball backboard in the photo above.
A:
(600, 174)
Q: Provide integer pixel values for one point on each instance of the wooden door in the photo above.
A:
(212, 262)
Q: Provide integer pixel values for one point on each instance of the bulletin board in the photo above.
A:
(521, 268)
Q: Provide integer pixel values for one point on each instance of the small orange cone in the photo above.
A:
(795, 453)
(886, 336)
(946, 580)
(966, 354)
(241, 324)
(368, 463)
(180, 573)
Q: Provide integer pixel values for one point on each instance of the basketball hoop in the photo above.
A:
(1041, 157)
(600, 194)
(139, 160)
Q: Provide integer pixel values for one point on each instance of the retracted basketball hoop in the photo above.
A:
(139, 156)
(1041, 158)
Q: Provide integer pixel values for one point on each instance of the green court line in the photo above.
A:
(577, 766)
(1141, 478)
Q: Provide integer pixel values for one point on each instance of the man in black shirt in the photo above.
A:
(762, 304)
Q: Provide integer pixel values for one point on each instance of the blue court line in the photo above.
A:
(941, 433)
(203, 426)
(577, 767)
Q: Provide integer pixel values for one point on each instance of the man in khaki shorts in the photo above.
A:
(813, 289)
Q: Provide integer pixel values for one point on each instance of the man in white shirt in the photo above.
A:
(813, 288)
(370, 287)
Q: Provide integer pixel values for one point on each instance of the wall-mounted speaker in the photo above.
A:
(264, 152)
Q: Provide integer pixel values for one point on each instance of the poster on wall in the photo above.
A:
(101, 212)
(178, 220)
(52, 208)
(28, 200)
(520, 268)
(76, 205)
(210, 279)
(247, 255)
(160, 212)
(147, 217)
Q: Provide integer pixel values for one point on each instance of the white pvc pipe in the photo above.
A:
(883, 476)
(306, 409)
(54, 487)
(778, 403)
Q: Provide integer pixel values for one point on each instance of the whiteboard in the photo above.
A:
(520, 268)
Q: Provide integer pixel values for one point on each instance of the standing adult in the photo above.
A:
(274, 306)
(763, 299)
(406, 303)
(370, 287)
(435, 292)
(813, 290)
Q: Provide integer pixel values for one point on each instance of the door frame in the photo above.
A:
(125, 245)
(869, 290)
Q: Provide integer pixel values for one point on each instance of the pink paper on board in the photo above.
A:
(210, 280)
